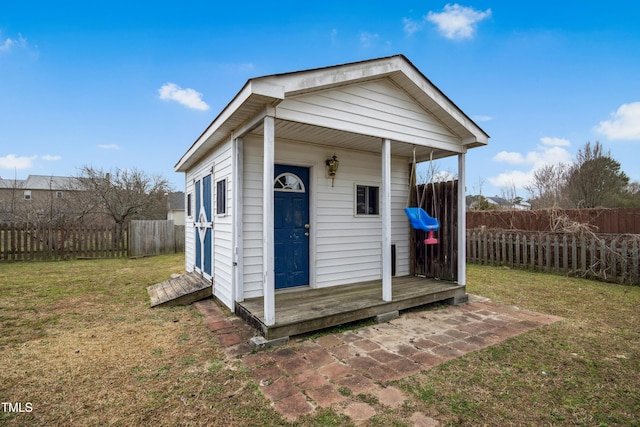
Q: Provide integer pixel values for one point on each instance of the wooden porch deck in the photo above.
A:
(183, 290)
(306, 310)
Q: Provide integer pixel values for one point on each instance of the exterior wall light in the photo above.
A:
(333, 164)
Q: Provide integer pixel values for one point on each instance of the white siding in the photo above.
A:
(189, 232)
(220, 160)
(252, 217)
(223, 227)
(345, 248)
(376, 108)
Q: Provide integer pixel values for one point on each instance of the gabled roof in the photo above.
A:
(42, 182)
(270, 90)
(176, 201)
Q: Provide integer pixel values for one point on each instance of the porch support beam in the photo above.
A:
(237, 217)
(387, 293)
(254, 122)
(268, 278)
(462, 220)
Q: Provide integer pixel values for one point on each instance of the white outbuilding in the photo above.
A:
(300, 183)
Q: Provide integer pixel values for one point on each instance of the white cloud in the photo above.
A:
(509, 157)
(457, 22)
(368, 39)
(187, 97)
(109, 146)
(11, 161)
(8, 43)
(547, 156)
(50, 158)
(560, 142)
(624, 123)
(411, 26)
(519, 179)
(481, 118)
(551, 152)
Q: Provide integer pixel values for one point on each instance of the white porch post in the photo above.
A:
(462, 220)
(386, 221)
(238, 202)
(268, 279)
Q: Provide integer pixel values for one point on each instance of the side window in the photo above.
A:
(27, 194)
(367, 200)
(221, 197)
(189, 209)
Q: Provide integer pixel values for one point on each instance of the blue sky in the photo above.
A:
(133, 83)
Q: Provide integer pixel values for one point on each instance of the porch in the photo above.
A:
(305, 310)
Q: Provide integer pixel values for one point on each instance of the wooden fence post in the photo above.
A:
(583, 255)
(625, 261)
(510, 248)
(634, 259)
(614, 259)
(565, 254)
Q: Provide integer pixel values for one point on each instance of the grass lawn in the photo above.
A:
(80, 344)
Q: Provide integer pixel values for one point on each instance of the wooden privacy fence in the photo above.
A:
(29, 242)
(155, 237)
(612, 258)
(607, 221)
(440, 260)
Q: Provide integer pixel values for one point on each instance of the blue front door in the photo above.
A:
(291, 226)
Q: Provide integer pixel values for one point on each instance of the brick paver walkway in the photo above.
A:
(332, 369)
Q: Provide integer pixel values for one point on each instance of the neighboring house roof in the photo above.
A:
(473, 201)
(41, 182)
(269, 91)
(495, 200)
(11, 183)
(176, 201)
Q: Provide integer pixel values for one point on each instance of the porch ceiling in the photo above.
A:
(317, 135)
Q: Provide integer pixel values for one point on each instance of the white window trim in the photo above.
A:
(226, 198)
(355, 199)
(189, 202)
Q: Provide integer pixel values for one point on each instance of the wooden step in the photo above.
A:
(183, 290)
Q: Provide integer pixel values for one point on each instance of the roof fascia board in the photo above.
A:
(252, 87)
(325, 78)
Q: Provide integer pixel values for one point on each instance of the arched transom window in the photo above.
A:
(288, 182)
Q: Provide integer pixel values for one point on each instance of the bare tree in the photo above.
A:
(125, 194)
(479, 202)
(548, 187)
(510, 194)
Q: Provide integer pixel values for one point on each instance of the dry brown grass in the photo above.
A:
(91, 352)
(583, 371)
(81, 344)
